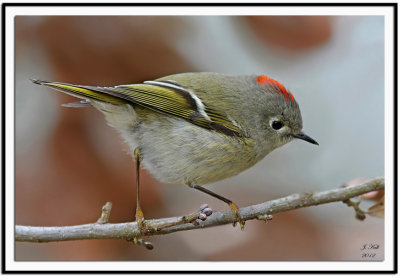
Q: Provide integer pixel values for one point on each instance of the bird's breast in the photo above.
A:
(175, 151)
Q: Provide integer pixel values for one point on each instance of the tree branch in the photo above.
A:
(128, 231)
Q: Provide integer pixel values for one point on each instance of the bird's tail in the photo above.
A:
(86, 93)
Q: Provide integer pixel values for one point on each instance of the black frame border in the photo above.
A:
(395, 89)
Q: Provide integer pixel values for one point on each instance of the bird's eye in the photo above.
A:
(276, 125)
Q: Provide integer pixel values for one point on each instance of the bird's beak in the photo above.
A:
(305, 137)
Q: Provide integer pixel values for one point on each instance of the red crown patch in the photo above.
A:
(262, 79)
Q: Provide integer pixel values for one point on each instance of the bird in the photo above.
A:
(195, 128)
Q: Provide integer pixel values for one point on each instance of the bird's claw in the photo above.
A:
(235, 210)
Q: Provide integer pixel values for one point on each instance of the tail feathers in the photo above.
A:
(84, 103)
(40, 82)
(86, 93)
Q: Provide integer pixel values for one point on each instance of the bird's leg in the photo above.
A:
(139, 217)
(232, 205)
(139, 213)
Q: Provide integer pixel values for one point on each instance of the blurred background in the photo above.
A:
(69, 162)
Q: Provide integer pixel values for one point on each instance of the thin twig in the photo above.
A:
(129, 231)
(360, 214)
(105, 213)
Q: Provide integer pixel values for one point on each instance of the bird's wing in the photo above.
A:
(161, 96)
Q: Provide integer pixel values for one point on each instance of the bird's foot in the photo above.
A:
(235, 209)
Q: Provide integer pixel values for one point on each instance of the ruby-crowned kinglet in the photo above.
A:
(196, 128)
